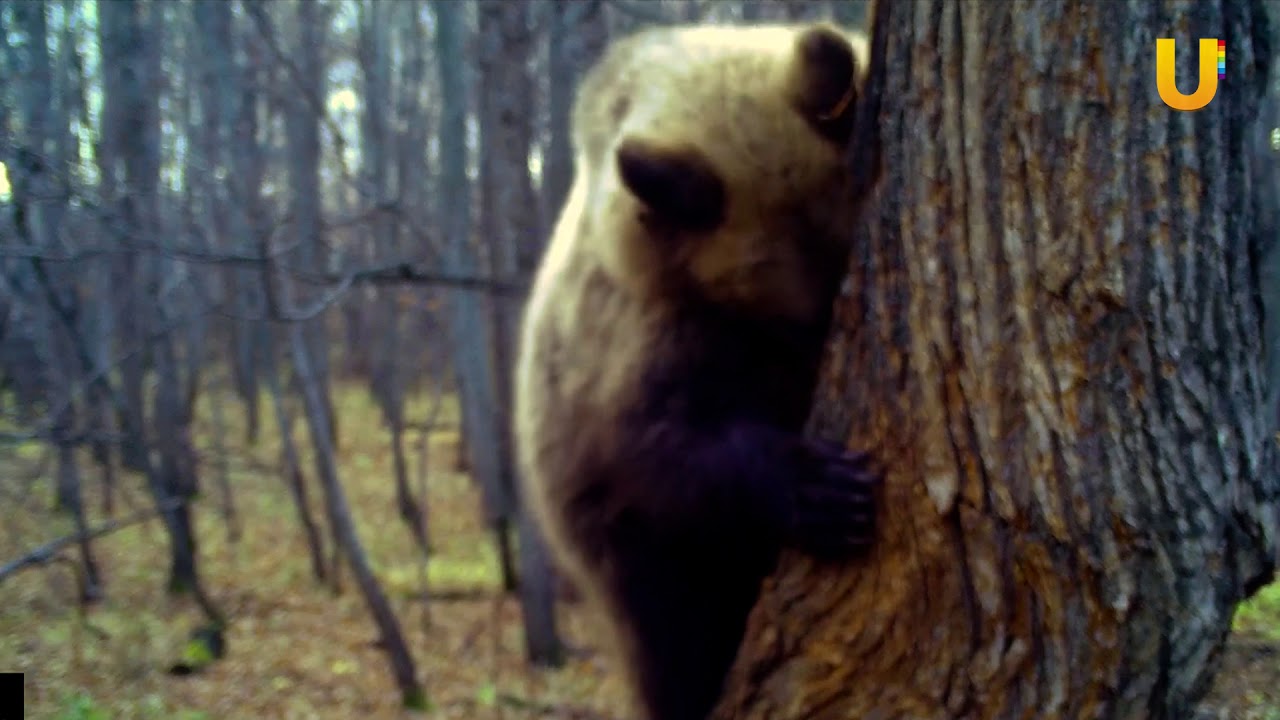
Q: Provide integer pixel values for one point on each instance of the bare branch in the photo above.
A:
(48, 552)
(403, 273)
(392, 273)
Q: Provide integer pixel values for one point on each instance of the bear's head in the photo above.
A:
(715, 162)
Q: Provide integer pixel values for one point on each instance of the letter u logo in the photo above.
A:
(1165, 74)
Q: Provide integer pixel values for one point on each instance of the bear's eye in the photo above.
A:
(678, 186)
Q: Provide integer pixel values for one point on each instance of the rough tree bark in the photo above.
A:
(1051, 339)
(1266, 197)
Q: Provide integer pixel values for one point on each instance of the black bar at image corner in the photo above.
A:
(11, 696)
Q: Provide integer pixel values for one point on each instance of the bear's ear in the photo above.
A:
(678, 186)
(826, 77)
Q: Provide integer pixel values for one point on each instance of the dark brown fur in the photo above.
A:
(673, 336)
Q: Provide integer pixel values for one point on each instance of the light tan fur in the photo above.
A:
(726, 91)
(597, 311)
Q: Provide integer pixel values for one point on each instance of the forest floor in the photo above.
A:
(295, 650)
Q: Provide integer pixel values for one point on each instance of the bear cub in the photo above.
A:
(672, 338)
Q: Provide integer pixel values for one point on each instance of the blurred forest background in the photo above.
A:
(261, 265)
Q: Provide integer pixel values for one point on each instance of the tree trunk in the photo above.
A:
(227, 102)
(506, 133)
(176, 465)
(542, 643)
(470, 325)
(102, 454)
(392, 638)
(378, 162)
(575, 39)
(222, 466)
(1266, 197)
(69, 485)
(303, 124)
(130, 35)
(1051, 342)
(294, 479)
(239, 108)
